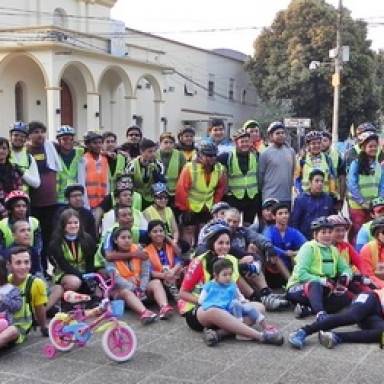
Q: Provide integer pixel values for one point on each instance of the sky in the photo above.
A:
(180, 16)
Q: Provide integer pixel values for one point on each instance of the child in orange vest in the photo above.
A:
(162, 252)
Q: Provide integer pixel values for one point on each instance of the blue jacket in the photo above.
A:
(308, 207)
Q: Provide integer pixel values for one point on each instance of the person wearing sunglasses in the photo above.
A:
(131, 148)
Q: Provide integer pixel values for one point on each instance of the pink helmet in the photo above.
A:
(338, 220)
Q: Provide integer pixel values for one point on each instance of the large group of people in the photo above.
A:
(219, 232)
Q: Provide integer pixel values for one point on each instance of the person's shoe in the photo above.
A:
(297, 339)
(210, 337)
(166, 312)
(322, 315)
(302, 311)
(148, 317)
(272, 338)
(275, 302)
(328, 339)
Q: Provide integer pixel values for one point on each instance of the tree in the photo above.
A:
(305, 32)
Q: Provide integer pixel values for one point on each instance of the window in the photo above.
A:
(60, 18)
(231, 89)
(19, 101)
(244, 96)
(211, 85)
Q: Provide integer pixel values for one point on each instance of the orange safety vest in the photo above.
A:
(155, 259)
(96, 178)
(123, 268)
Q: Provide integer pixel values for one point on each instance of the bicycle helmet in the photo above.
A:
(275, 125)
(124, 182)
(251, 124)
(321, 222)
(16, 195)
(159, 188)
(338, 220)
(376, 225)
(313, 135)
(213, 228)
(366, 127)
(65, 130)
(207, 148)
(269, 203)
(367, 136)
(92, 135)
(71, 188)
(242, 132)
(19, 126)
(219, 207)
(379, 201)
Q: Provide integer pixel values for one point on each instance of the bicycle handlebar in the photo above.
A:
(106, 287)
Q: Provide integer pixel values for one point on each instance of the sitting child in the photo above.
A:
(10, 298)
(222, 292)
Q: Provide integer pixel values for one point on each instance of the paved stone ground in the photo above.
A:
(169, 353)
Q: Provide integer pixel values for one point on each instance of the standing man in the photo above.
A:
(71, 160)
(201, 184)
(145, 171)
(186, 144)
(131, 149)
(276, 166)
(21, 158)
(253, 128)
(217, 136)
(117, 162)
(44, 198)
(242, 169)
(95, 173)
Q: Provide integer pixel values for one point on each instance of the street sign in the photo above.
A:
(295, 122)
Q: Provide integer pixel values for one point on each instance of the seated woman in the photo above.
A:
(72, 252)
(372, 254)
(318, 271)
(163, 255)
(133, 272)
(365, 311)
(200, 271)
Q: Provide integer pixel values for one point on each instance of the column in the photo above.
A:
(131, 108)
(159, 110)
(93, 111)
(53, 111)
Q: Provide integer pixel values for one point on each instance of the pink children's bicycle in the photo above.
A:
(77, 327)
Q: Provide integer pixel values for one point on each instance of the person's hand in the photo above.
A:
(139, 254)
(246, 259)
(366, 205)
(291, 253)
(343, 281)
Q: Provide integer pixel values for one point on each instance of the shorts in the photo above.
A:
(192, 321)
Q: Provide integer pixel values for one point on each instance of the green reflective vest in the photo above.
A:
(173, 171)
(201, 194)
(153, 214)
(367, 227)
(68, 175)
(24, 163)
(77, 261)
(309, 165)
(238, 183)
(368, 185)
(7, 232)
(144, 188)
(119, 170)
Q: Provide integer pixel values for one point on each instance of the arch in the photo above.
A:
(7, 59)
(121, 74)
(84, 70)
(60, 18)
(154, 83)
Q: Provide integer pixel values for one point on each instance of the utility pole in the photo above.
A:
(336, 77)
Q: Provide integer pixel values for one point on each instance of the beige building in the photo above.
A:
(68, 62)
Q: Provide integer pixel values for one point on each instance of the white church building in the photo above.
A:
(68, 62)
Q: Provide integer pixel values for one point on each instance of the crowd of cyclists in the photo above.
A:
(219, 232)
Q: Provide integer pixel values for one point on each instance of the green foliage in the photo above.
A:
(305, 32)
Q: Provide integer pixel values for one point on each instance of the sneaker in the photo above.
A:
(148, 317)
(275, 302)
(174, 292)
(322, 315)
(297, 339)
(210, 337)
(166, 312)
(272, 338)
(328, 339)
(302, 311)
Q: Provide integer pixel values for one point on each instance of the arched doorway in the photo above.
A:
(66, 104)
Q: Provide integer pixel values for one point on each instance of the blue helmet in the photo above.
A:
(159, 188)
(213, 228)
(19, 126)
(65, 130)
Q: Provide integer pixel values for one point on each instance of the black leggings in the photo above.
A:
(365, 311)
(318, 297)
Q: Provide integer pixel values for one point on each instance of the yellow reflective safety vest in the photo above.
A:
(312, 163)
(77, 262)
(238, 183)
(68, 175)
(119, 170)
(201, 194)
(24, 162)
(173, 170)
(153, 214)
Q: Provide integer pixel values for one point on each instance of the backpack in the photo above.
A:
(28, 298)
